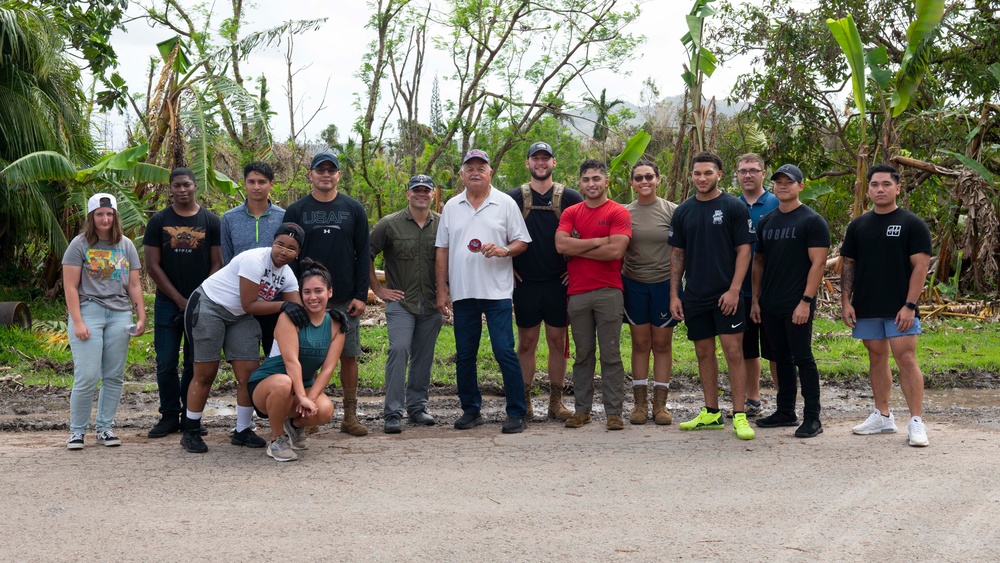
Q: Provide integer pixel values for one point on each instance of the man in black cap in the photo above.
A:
(540, 276)
(407, 238)
(336, 228)
(792, 245)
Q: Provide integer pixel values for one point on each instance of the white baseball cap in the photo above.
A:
(101, 200)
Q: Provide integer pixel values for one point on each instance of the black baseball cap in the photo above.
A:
(293, 230)
(789, 170)
(325, 156)
(420, 180)
(540, 146)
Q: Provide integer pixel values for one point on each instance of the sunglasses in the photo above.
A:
(641, 177)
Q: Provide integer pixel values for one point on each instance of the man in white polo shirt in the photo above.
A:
(480, 230)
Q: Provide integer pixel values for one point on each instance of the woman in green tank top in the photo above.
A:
(288, 387)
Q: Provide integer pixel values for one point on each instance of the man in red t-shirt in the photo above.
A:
(594, 235)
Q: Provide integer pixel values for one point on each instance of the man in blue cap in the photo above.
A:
(336, 228)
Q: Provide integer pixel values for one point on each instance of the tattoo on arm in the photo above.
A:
(676, 267)
(847, 279)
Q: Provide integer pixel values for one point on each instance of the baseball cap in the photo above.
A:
(420, 180)
(101, 200)
(293, 230)
(540, 146)
(476, 153)
(325, 156)
(789, 170)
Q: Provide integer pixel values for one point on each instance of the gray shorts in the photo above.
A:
(211, 328)
(352, 338)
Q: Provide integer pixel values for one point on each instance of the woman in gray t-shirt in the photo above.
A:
(100, 278)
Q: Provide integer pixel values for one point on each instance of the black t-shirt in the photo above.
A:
(337, 237)
(784, 240)
(185, 245)
(709, 233)
(541, 262)
(881, 246)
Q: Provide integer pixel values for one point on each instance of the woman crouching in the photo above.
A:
(286, 387)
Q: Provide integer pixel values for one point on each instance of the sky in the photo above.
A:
(334, 53)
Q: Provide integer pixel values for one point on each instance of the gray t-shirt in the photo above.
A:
(647, 259)
(105, 270)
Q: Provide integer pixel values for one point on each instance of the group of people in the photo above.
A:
(295, 282)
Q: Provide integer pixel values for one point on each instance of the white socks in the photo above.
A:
(244, 417)
(193, 415)
(638, 383)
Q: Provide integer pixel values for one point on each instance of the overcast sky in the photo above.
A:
(334, 53)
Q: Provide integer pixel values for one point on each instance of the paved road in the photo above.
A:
(552, 494)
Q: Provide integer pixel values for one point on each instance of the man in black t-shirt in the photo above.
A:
(337, 236)
(540, 278)
(183, 246)
(792, 245)
(886, 255)
(711, 234)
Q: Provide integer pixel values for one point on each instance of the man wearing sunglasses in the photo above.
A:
(336, 228)
(406, 239)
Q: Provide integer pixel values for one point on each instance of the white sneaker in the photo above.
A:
(877, 424)
(918, 432)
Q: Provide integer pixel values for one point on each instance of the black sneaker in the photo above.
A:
(809, 429)
(248, 439)
(469, 420)
(514, 425)
(393, 424)
(778, 419)
(422, 417)
(167, 425)
(192, 442)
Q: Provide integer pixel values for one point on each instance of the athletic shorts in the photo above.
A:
(251, 387)
(880, 329)
(352, 338)
(210, 327)
(535, 302)
(709, 323)
(755, 345)
(648, 303)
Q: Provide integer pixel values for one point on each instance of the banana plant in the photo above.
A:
(701, 64)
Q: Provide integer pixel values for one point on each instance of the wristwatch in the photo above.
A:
(507, 251)
(910, 305)
(808, 299)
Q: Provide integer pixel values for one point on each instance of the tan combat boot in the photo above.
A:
(530, 415)
(641, 393)
(557, 409)
(660, 413)
(350, 423)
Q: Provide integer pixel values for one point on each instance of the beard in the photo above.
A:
(540, 178)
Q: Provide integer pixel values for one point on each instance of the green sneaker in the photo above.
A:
(741, 427)
(706, 421)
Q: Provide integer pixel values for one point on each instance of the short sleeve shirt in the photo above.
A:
(185, 245)
(223, 287)
(709, 232)
(542, 262)
(881, 245)
(464, 230)
(105, 269)
(582, 221)
(784, 240)
(766, 203)
(647, 259)
(409, 258)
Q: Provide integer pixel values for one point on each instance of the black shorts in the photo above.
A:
(755, 345)
(250, 389)
(709, 323)
(535, 302)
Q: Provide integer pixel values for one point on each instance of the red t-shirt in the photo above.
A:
(609, 218)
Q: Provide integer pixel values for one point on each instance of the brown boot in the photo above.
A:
(557, 410)
(530, 415)
(578, 419)
(660, 413)
(350, 423)
(641, 393)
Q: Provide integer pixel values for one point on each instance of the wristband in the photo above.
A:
(910, 305)
(808, 299)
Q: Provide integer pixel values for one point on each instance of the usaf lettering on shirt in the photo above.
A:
(333, 219)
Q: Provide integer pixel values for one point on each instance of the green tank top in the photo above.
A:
(314, 343)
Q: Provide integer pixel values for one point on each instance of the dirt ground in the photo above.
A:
(646, 493)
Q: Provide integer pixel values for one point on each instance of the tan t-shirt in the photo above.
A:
(647, 258)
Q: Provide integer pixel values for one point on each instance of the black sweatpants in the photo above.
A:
(791, 348)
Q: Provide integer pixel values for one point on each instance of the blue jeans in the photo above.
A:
(99, 358)
(168, 331)
(468, 330)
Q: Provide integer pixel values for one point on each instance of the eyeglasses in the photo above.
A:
(750, 172)
(641, 177)
(285, 249)
(326, 171)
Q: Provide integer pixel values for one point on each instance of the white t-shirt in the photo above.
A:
(223, 287)
(498, 220)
